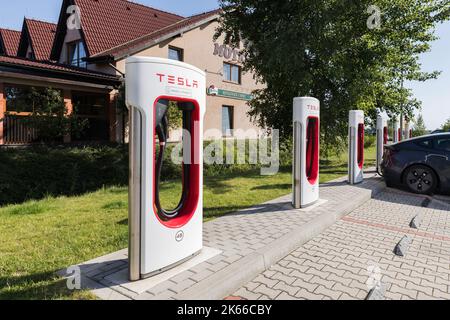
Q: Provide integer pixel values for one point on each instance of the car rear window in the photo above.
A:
(425, 143)
(443, 144)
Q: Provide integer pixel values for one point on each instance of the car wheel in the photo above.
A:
(389, 184)
(421, 179)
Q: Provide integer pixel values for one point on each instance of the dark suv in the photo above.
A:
(421, 164)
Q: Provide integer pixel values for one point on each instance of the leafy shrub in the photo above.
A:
(34, 173)
(369, 141)
(37, 172)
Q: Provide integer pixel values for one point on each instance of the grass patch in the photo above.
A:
(116, 205)
(31, 208)
(41, 237)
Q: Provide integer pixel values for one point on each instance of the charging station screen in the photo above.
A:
(312, 150)
(186, 114)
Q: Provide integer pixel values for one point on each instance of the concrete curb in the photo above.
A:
(231, 278)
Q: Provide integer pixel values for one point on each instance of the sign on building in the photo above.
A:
(228, 53)
(214, 91)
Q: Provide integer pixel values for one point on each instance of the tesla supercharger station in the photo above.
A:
(397, 130)
(382, 138)
(306, 152)
(356, 147)
(408, 130)
(159, 238)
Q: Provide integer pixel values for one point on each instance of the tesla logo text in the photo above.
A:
(179, 236)
(313, 108)
(179, 81)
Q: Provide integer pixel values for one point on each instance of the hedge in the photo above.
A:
(34, 173)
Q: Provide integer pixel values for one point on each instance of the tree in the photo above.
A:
(175, 116)
(446, 125)
(340, 52)
(420, 129)
(49, 115)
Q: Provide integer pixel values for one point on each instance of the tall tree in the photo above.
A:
(346, 53)
(446, 125)
(420, 129)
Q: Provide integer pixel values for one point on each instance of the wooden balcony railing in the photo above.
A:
(16, 130)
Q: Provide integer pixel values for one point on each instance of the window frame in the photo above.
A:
(76, 45)
(24, 89)
(180, 52)
(226, 134)
(231, 66)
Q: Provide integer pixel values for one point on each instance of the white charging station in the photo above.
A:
(382, 137)
(161, 239)
(397, 130)
(408, 130)
(306, 152)
(356, 147)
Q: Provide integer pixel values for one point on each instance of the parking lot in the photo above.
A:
(357, 254)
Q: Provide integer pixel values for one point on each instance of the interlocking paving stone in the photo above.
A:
(366, 237)
(241, 234)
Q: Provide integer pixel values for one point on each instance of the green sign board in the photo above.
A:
(213, 91)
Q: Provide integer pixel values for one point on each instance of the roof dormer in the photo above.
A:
(36, 40)
(9, 42)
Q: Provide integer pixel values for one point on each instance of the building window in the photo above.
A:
(76, 53)
(22, 99)
(92, 108)
(227, 121)
(232, 73)
(176, 54)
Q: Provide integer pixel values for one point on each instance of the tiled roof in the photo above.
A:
(42, 35)
(133, 45)
(10, 40)
(109, 23)
(51, 66)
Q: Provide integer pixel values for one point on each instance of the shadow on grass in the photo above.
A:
(39, 286)
(273, 186)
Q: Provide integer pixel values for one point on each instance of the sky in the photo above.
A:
(435, 94)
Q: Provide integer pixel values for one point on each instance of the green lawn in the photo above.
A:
(41, 237)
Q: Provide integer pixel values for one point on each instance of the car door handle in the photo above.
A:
(436, 155)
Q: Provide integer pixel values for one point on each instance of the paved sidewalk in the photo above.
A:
(250, 240)
(358, 250)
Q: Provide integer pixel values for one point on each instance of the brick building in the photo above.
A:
(84, 54)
